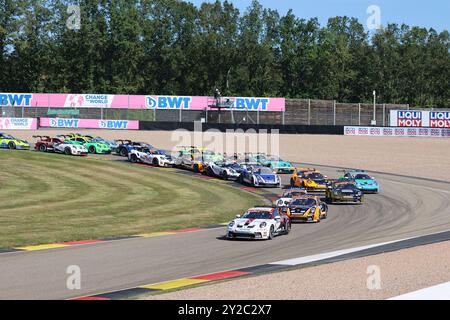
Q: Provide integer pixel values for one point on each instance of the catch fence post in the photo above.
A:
(384, 114)
(359, 114)
(309, 111)
(334, 112)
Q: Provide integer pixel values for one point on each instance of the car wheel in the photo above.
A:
(92, 149)
(133, 158)
(42, 148)
(241, 179)
(155, 162)
(292, 183)
(225, 175)
(271, 233)
(11, 145)
(123, 152)
(288, 226)
(67, 151)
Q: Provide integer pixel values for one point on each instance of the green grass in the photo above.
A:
(47, 198)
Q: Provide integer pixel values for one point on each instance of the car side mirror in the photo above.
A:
(278, 218)
(238, 216)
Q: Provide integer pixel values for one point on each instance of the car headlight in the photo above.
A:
(231, 224)
(263, 225)
(260, 179)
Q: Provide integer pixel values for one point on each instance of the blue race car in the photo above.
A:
(363, 181)
(126, 146)
(260, 176)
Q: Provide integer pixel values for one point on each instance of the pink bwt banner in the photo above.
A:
(89, 124)
(18, 124)
(45, 100)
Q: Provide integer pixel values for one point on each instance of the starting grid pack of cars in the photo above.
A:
(306, 199)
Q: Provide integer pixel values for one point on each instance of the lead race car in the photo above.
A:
(362, 180)
(159, 158)
(259, 223)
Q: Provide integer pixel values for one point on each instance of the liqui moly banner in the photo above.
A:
(136, 102)
(18, 124)
(419, 119)
(89, 124)
(397, 132)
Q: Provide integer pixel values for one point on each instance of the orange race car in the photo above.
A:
(299, 175)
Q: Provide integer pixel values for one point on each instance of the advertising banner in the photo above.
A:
(420, 119)
(18, 124)
(89, 124)
(397, 132)
(136, 102)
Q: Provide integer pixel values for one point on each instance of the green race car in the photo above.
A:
(91, 146)
(9, 142)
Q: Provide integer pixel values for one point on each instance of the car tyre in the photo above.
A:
(92, 149)
(42, 148)
(67, 151)
(288, 226)
(155, 162)
(271, 233)
(133, 158)
(123, 152)
(11, 145)
(225, 175)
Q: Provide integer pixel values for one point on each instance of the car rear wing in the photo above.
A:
(42, 137)
(121, 141)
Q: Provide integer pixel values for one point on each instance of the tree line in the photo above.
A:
(172, 47)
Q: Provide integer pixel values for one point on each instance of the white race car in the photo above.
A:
(157, 158)
(224, 170)
(289, 195)
(71, 149)
(259, 223)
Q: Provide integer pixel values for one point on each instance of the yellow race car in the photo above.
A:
(315, 182)
(307, 209)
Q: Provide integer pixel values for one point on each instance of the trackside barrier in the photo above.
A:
(223, 127)
(397, 132)
(18, 123)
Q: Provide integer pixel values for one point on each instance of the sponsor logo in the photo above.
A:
(168, 102)
(424, 132)
(17, 123)
(375, 131)
(440, 119)
(350, 131)
(409, 118)
(388, 132)
(251, 104)
(399, 132)
(64, 123)
(113, 124)
(363, 131)
(16, 100)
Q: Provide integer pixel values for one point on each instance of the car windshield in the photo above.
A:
(345, 186)
(275, 158)
(362, 177)
(315, 176)
(7, 136)
(232, 166)
(257, 215)
(304, 202)
(293, 194)
(263, 171)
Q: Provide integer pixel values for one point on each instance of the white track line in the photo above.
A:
(327, 255)
(439, 292)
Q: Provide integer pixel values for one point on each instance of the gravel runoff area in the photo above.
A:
(400, 272)
(419, 157)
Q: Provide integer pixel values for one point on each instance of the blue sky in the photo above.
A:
(430, 14)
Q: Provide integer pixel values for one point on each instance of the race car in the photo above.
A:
(363, 181)
(307, 209)
(290, 195)
(224, 170)
(46, 143)
(9, 142)
(298, 176)
(344, 192)
(158, 158)
(275, 163)
(111, 144)
(126, 146)
(259, 223)
(70, 149)
(259, 176)
(92, 147)
(193, 159)
(315, 182)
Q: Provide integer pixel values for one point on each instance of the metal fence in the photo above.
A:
(298, 112)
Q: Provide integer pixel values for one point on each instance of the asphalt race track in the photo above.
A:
(406, 207)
